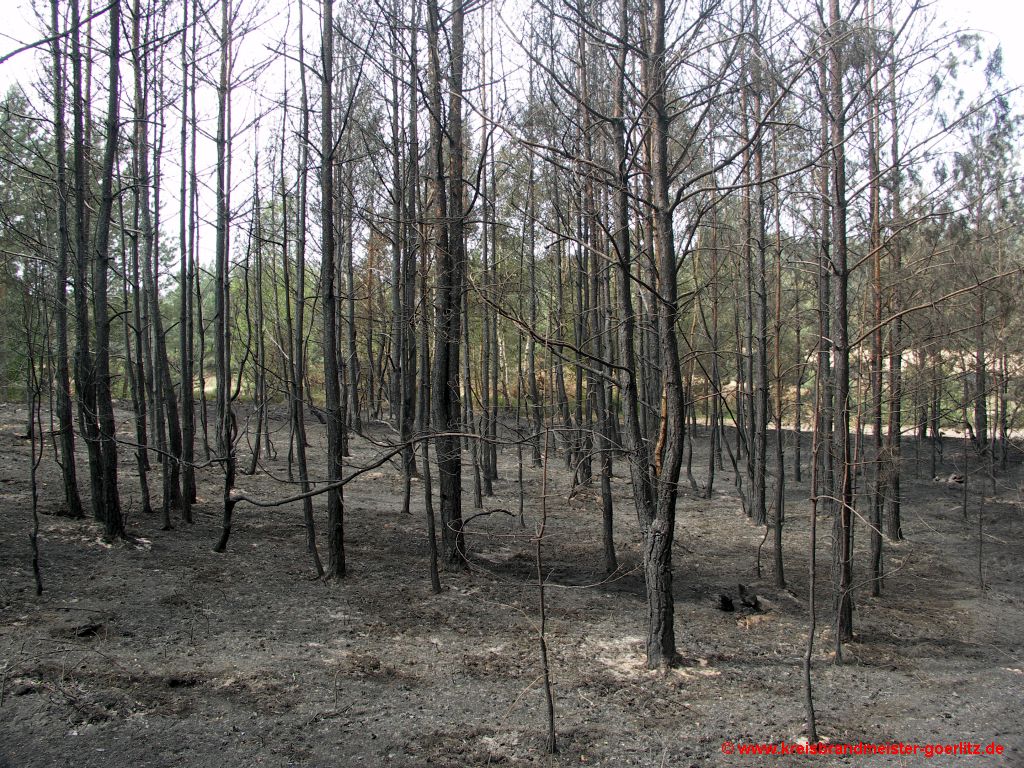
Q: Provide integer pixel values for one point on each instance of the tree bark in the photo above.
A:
(332, 384)
(843, 471)
(65, 420)
(449, 213)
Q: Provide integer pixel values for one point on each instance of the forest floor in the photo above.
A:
(158, 652)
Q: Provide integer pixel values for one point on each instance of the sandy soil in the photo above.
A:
(159, 652)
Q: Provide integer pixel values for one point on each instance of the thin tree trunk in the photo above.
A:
(779, 518)
(843, 472)
(185, 332)
(878, 489)
(412, 242)
(449, 214)
(424, 409)
(226, 427)
(107, 429)
(85, 383)
(162, 384)
(332, 382)
(350, 365)
(133, 361)
(298, 372)
(536, 402)
(65, 420)
(894, 449)
(658, 521)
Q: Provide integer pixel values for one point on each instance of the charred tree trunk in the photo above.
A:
(332, 382)
(449, 214)
(226, 427)
(187, 277)
(658, 516)
(298, 367)
(65, 419)
(106, 426)
(410, 245)
(843, 469)
(85, 380)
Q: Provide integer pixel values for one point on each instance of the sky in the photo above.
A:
(998, 19)
(1003, 19)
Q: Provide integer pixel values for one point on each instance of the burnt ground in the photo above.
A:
(159, 652)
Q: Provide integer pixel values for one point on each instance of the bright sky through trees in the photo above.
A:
(1000, 18)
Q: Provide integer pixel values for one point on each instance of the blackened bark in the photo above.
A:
(85, 384)
(186, 277)
(659, 523)
(449, 207)
(65, 420)
(226, 427)
(843, 470)
(408, 275)
(298, 367)
(107, 432)
(332, 383)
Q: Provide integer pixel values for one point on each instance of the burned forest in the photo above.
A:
(533, 382)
